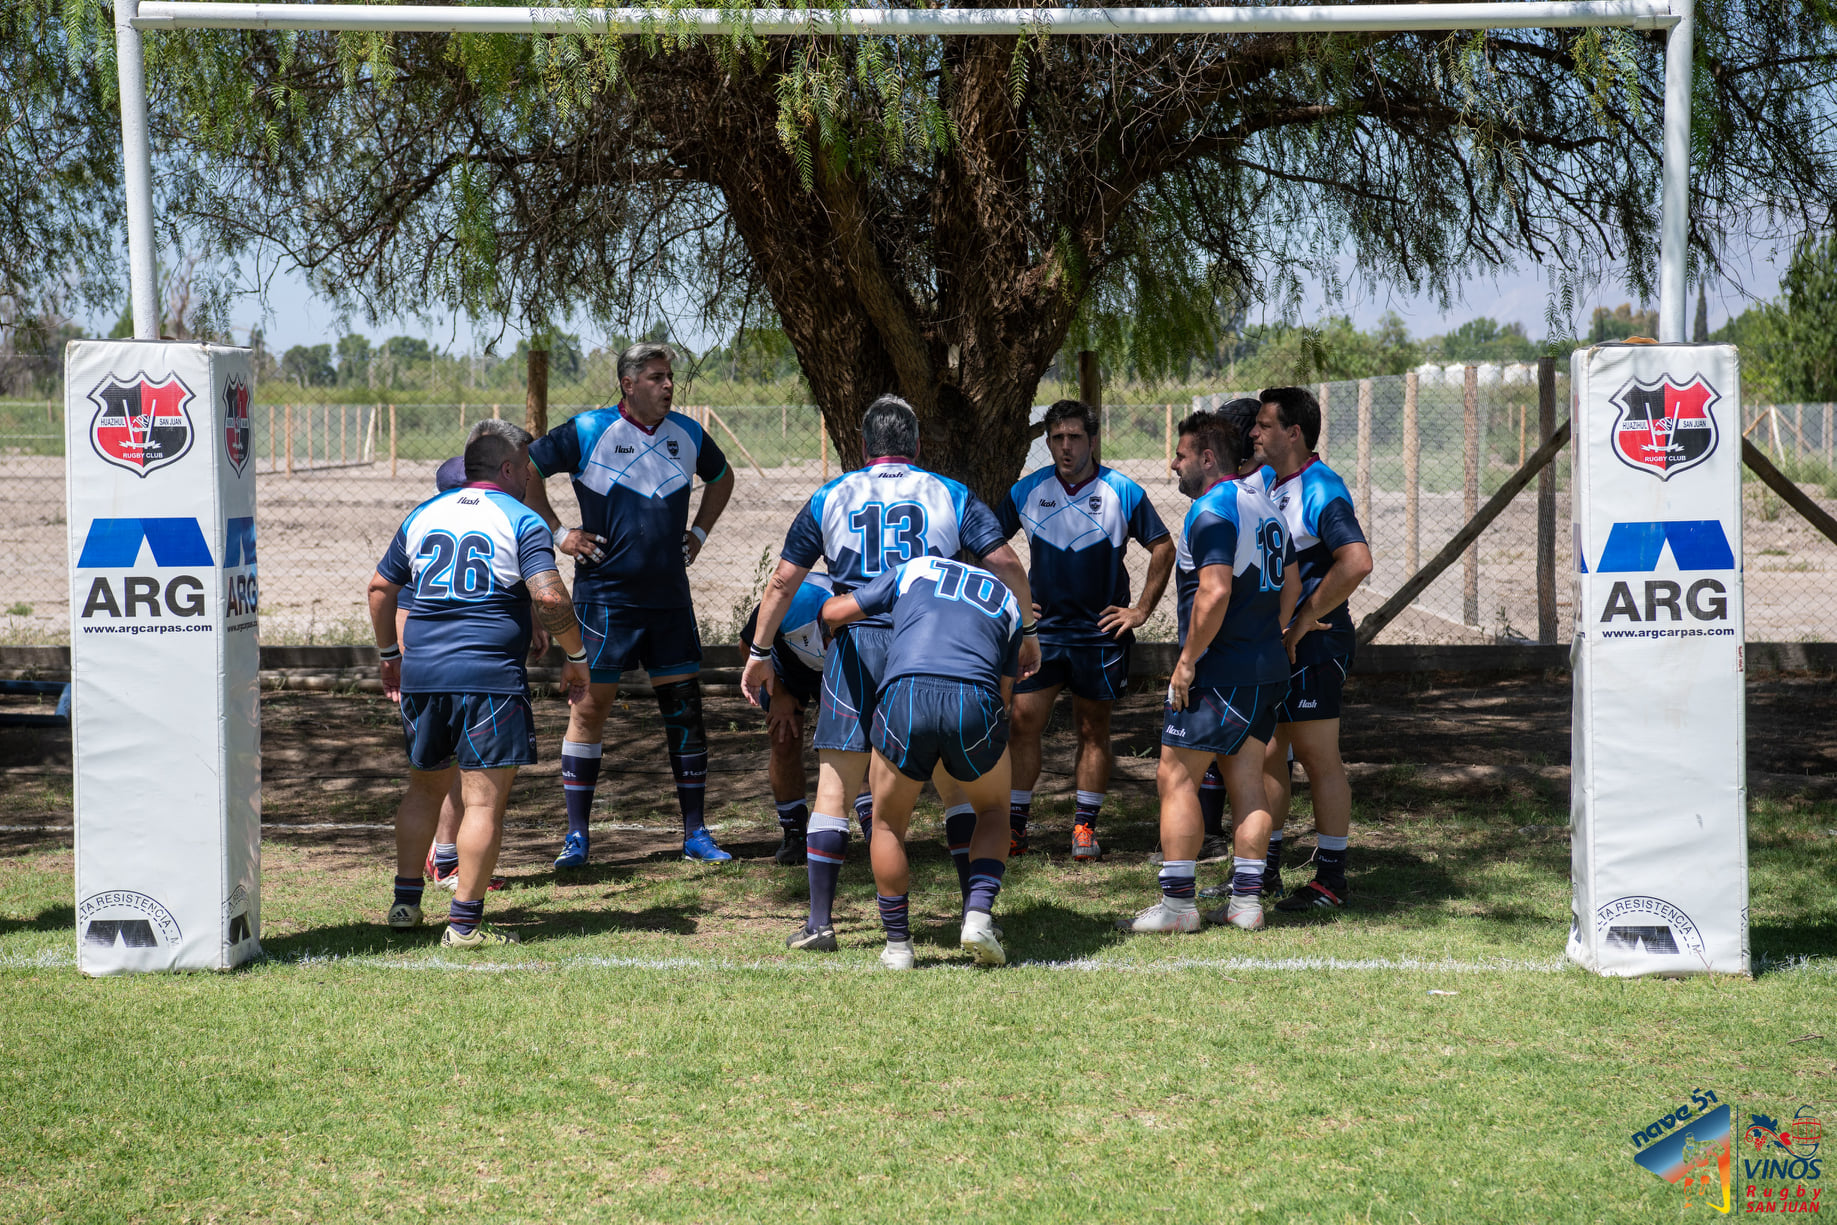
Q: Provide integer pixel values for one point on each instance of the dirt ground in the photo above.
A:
(334, 760)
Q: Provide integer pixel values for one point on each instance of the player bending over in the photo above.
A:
(632, 466)
(951, 660)
(1235, 585)
(798, 651)
(1333, 559)
(1079, 517)
(476, 558)
(862, 524)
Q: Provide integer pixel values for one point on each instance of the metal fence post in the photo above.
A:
(1546, 504)
(1412, 479)
(1470, 495)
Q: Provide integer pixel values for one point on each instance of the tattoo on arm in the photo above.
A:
(553, 604)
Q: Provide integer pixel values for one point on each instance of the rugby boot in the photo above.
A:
(699, 846)
(404, 916)
(980, 938)
(1162, 918)
(1084, 843)
(573, 852)
(897, 955)
(479, 937)
(819, 940)
(1314, 894)
(792, 852)
(1243, 910)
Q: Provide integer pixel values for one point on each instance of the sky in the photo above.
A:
(292, 314)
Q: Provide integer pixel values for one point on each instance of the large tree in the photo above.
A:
(938, 216)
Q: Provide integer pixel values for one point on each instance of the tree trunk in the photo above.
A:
(536, 398)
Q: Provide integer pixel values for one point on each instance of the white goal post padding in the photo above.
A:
(165, 667)
(1659, 790)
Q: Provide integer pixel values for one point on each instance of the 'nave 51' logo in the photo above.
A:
(139, 424)
(1667, 427)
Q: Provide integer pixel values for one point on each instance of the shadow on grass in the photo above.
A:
(1779, 942)
(373, 939)
(51, 919)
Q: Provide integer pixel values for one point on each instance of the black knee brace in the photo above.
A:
(680, 704)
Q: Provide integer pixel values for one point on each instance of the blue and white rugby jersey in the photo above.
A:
(1235, 524)
(866, 522)
(1315, 506)
(801, 634)
(950, 619)
(633, 488)
(467, 554)
(1078, 538)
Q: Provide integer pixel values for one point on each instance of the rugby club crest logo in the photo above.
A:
(1666, 427)
(139, 424)
(236, 421)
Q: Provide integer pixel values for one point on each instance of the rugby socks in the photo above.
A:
(1272, 862)
(1212, 801)
(1177, 887)
(580, 774)
(680, 705)
(464, 917)
(408, 890)
(1020, 810)
(864, 813)
(985, 884)
(959, 828)
(1089, 802)
(793, 817)
(827, 843)
(1246, 875)
(1330, 861)
(446, 858)
(895, 917)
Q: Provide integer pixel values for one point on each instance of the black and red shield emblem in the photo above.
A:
(236, 422)
(1666, 427)
(141, 425)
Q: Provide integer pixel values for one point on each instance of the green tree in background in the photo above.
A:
(1808, 329)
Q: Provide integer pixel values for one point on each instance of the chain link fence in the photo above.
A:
(340, 467)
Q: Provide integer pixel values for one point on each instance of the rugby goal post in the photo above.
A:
(141, 501)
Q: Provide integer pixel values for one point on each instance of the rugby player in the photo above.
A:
(1235, 584)
(798, 651)
(861, 524)
(632, 466)
(951, 658)
(1079, 517)
(476, 558)
(1333, 559)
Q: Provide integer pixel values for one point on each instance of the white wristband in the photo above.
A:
(560, 534)
(699, 533)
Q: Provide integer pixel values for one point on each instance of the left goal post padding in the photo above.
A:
(164, 658)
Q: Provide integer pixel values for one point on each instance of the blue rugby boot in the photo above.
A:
(699, 846)
(573, 852)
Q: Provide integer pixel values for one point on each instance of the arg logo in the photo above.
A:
(1666, 427)
(236, 422)
(139, 424)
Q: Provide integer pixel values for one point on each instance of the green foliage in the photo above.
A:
(1621, 322)
(1808, 328)
(1484, 340)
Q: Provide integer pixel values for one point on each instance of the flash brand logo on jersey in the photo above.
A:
(139, 424)
(116, 544)
(1666, 427)
(236, 422)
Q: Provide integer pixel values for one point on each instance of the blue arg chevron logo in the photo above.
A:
(1696, 544)
(114, 544)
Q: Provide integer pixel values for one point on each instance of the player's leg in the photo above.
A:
(670, 649)
(1278, 787)
(1033, 700)
(415, 819)
(481, 835)
(987, 864)
(1212, 805)
(1317, 749)
(1182, 831)
(894, 793)
(607, 643)
(966, 727)
(1250, 831)
(785, 771)
(1093, 773)
(442, 866)
(959, 824)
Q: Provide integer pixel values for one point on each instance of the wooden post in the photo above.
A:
(1470, 496)
(1363, 478)
(1412, 478)
(494, 412)
(392, 440)
(272, 436)
(325, 434)
(288, 415)
(1320, 443)
(1521, 416)
(1773, 429)
(536, 398)
(1090, 390)
(1798, 424)
(1546, 504)
(344, 411)
(822, 442)
(369, 451)
(1168, 438)
(1827, 432)
(784, 421)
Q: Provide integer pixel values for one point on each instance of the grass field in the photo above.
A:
(653, 1054)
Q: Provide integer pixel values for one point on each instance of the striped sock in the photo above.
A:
(1330, 860)
(1212, 801)
(1088, 804)
(1020, 811)
(895, 917)
(1272, 862)
(1246, 875)
(580, 775)
(1177, 886)
(959, 828)
(864, 813)
(464, 917)
(408, 890)
(985, 884)
(827, 842)
(446, 857)
(793, 816)
(691, 771)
